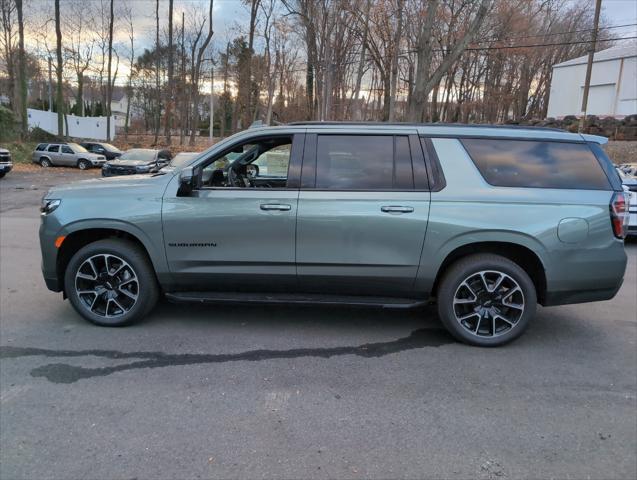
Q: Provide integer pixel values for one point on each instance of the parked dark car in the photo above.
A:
(6, 165)
(135, 161)
(111, 152)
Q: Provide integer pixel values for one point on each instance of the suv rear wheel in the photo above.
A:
(486, 300)
(45, 162)
(83, 164)
(111, 283)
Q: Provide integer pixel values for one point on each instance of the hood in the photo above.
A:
(4, 150)
(129, 163)
(112, 186)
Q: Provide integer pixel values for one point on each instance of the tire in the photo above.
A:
(2, 174)
(45, 162)
(486, 300)
(83, 164)
(111, 303)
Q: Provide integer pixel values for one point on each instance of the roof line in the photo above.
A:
(415, 124)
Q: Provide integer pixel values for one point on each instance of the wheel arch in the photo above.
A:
(522, 255)
(84, 235)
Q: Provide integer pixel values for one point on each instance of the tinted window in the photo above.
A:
(526, 163)
(363, 162)
(41, 147)
(66, 149)
(53, 148)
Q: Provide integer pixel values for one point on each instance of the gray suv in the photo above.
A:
(486, 221)
(66, 154)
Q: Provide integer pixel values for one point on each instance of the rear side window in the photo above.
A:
(537, 164)
(363, 162)
(53, 148)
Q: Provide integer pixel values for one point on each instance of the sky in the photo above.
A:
(230, 18)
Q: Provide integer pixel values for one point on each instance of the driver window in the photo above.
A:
(251, 165)
(66, 149)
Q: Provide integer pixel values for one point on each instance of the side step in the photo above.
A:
(293, 299)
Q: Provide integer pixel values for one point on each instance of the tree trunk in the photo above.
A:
(58, 70)
(195, 77)
(394, 64)
(171, 92)
(109, 86)
(22, 80)
(425, 82)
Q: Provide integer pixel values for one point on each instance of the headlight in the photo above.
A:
(142, 169)
(48, 205)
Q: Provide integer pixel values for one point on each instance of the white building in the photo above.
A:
(613, 90)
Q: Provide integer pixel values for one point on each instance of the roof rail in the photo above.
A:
(415, 124)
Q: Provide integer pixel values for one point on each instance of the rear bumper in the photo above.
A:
(581, 296)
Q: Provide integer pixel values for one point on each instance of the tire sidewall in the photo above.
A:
(147, 295)
(471, 265)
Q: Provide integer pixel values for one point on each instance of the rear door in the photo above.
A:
(362, 213)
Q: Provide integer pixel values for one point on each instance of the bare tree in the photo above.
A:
(195, 74)
(59, 99)
(171, 86)
(80, 53)
(128, 15)
(22, 78)
(109, 78)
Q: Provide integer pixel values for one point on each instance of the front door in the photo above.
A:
(236, 232)
(67, 156)
(362, 221)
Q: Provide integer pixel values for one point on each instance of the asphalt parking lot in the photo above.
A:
(291, 392)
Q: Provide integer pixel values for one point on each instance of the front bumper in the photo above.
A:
(6, 167)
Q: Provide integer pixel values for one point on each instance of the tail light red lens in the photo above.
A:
(619, 213)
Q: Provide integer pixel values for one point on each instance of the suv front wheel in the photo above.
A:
(486, 300)
(83, 164)
(111, 283)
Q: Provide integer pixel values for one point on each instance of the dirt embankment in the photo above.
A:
(622, 152)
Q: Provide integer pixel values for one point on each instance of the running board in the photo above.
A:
(293, 299)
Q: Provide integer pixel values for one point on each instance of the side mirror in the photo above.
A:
(187, 180)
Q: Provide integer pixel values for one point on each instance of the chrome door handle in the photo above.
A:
(396, 209)
(275, 206)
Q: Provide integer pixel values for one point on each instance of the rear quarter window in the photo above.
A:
(537, 164)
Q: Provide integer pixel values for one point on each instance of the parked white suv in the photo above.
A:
(629, 183)
(66, 154)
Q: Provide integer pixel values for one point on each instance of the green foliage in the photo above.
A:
(8, 126)
(20, 151)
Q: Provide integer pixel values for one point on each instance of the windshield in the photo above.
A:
(139, 154)
(182, 158)
(110, 148)
(77, 148)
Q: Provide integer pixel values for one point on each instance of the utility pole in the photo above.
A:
(589, 65)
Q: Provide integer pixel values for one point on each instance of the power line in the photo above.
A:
(553, 34)
(505, 47)
(476, 49)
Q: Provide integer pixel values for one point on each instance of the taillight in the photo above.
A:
(619, 213)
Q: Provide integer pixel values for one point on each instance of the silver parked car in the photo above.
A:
(67, 155)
